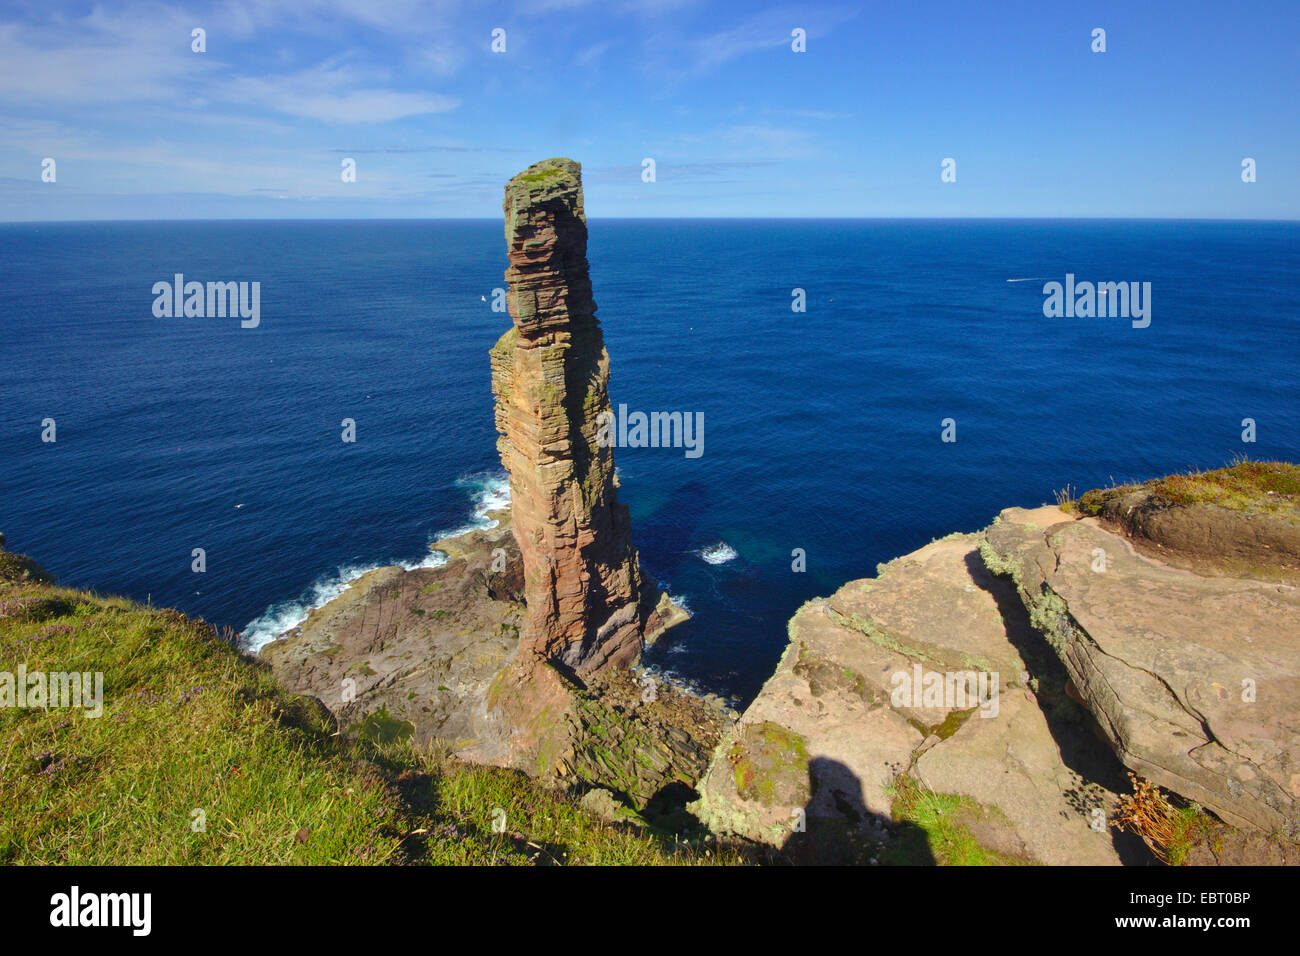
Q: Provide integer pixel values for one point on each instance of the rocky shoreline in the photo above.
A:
(415, 653)
(1103, 666)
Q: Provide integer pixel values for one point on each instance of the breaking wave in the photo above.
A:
(488, 491)
(719, 553)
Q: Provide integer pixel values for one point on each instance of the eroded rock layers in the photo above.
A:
(587, 604)
(1190, 680)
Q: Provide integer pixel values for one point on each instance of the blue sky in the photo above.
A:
(738, 124)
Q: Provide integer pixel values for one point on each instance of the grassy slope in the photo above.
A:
(1248, 486)
(189, 724)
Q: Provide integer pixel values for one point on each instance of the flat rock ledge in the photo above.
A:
(1195, 681)
(1159, 657)
(815, 764)
(413, 653)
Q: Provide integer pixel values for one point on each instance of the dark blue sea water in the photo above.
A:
(822, 429)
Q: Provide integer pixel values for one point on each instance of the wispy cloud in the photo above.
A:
(753, 139)
(92, 60)
(142, 52)
(807, 114)
(331, 95)
(679, 54)
(592, 54)
(710, 88)
(668, 170)
(425, 149)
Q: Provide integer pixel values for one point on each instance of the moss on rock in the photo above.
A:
(770, 765)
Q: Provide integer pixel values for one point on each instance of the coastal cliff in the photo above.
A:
(1112, 680)
(516, 649)
(984, 698)
(881, 737)
(993, 697)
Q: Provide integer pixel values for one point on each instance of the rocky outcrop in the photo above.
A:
(1096, 658)
(1204, 537)
(819, 759)
(414, 652)
(642, 737)
(1194, 680)
(588, 604)
(18, 567)
(516, 650)
(426, 654)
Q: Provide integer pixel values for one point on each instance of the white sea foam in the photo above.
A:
(719, 553)
(670, 676)
(283, 616)
(434, 559)
(488, 492)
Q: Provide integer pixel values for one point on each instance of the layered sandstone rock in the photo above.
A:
(588, 606)
(642, 738)
(818, 760)
(413, 652)
(514, 650)
(1193, 679)
(1100, 651)
(1202, 537)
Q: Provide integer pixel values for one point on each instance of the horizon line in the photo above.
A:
(38, 222)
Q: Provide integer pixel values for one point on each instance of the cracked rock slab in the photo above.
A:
(1012, 762)
(1194, 680)
(831, 705)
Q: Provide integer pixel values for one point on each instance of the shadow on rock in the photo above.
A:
(839, 830)
(1083, 748)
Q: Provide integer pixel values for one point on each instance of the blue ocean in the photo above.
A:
(823, 429)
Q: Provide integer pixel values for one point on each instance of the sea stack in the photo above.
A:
(588, 605)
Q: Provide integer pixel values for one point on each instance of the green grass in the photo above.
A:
(546, 169)
(189, 725)
(1192, 825)
(939, 816)
(1252, 487)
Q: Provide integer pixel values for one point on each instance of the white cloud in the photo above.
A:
(86, 62)
(589, 55)
(757, 141)
(141, 53)
(331, 96)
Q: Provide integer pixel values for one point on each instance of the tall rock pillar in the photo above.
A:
(587, 604)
